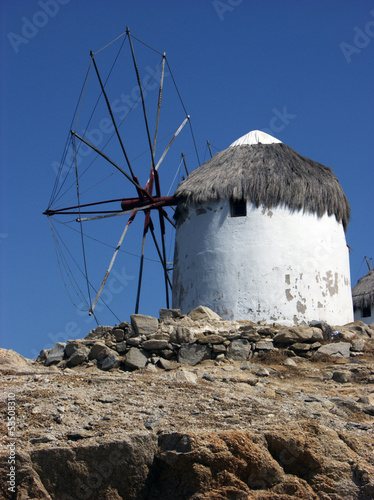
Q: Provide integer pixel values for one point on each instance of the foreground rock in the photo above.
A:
(298, 334)
(193, 407)
(339, 349)
(235, 430)
(13, 363)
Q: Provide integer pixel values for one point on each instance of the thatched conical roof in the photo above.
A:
(268, 175)
(363, 292)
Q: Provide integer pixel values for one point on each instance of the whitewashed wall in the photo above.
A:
(369, 320)
(272, 264)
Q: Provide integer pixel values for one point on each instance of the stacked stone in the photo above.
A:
(200, 335)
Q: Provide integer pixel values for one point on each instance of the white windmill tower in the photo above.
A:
(261, 235)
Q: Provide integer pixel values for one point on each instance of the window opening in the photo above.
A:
(366, 312)
(238, 208)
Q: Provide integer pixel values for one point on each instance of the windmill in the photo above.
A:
(89, 150)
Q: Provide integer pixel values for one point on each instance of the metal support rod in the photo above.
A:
(157, 201)
(210, 149)
(171, 141)
(369, 264)
(111, 115)
(127, 205)
(159, 253)
(149, 183)
(133, 210)
(146, 225)
(169, 220)
(157, 184)
(143, 191)
(162, 226)
(81, 228)
(142, 96)
(185, 164)
(140, 277)
(86, 212)
(159, 103)
(111, 263)
(98, 217)
(57, 210)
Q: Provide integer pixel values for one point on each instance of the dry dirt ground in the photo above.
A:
(214, 431)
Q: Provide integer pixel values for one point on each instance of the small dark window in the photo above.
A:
(366, 312)
(238, 208)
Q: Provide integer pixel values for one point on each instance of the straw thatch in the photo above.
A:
(269, 175)
(363, 292)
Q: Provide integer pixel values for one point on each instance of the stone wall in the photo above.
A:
(175, 339)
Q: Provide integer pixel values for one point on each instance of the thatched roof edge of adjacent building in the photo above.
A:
(363, 292)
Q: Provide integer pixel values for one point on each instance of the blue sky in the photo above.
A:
(302, 71)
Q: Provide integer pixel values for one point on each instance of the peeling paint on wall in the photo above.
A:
(290, 267)
(332, 285)
(289, 294)
(300, 307)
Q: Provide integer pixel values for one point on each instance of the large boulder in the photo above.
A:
(358, 345)
(203, 313)
(72, 346)
(99, 351)
(135, 359)
(79, 356)
(192, 354)
(355, 329)
(239, 350)
(325, 327)
(264, 345)
(169, 314)
(121, 347)
(118, 334)
(249, 332)
(155, 344)
(110, 362)
(182, 335)
(144, 325)
(97, 468)
(11, 363)
(298, 334)
(56, 354)
(336, 350)
(211, 338)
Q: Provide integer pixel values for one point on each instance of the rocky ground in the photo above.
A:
(261, 428)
